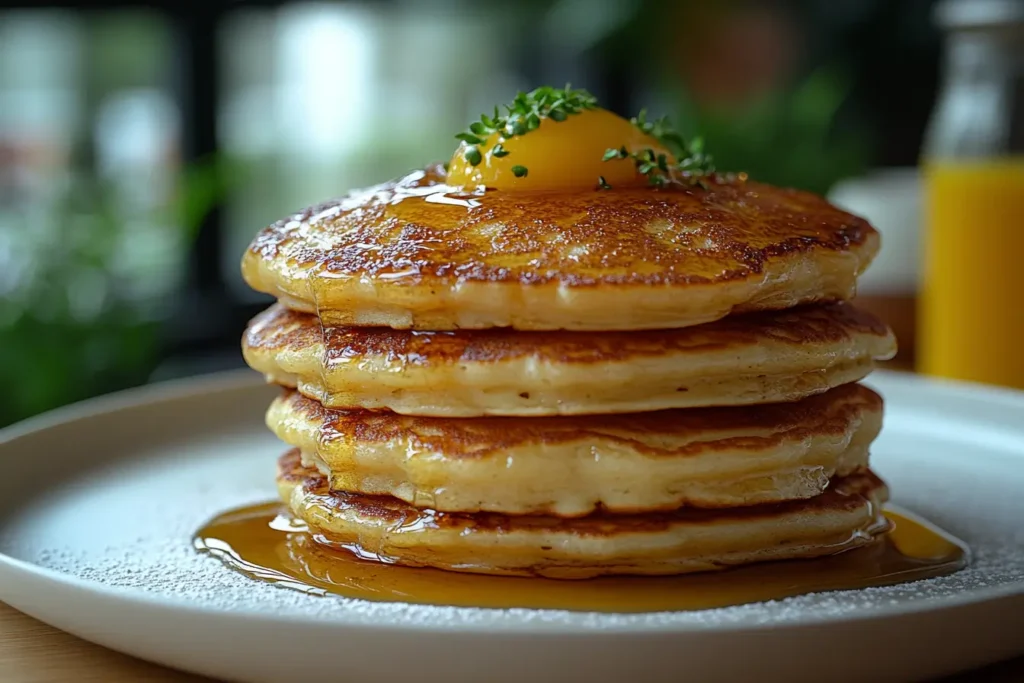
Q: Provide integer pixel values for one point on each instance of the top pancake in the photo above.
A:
(415, 253)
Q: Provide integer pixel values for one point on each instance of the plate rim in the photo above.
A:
(133, 397)
(12, 569)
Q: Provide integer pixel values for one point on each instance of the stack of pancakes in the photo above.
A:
(639, 381)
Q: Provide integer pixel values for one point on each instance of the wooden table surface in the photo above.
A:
(32, 652)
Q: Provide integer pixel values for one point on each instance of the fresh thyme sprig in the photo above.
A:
(523, 115)
(692, 162)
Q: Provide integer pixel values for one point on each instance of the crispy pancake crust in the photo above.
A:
(570, 466)
(755, 358)
(414, 253)
(847, 515)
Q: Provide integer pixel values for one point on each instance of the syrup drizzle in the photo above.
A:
(264, 543)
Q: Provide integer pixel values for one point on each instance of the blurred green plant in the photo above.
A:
(788, 138)
(80, 312)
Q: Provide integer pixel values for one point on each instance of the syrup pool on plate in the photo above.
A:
(263, 543)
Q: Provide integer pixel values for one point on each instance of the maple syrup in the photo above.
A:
(264, 543)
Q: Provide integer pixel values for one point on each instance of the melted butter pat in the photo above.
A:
(559, 155)
(262, 543)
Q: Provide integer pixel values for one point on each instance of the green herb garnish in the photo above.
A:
(523, 115)
(692, 164)
(473, 155)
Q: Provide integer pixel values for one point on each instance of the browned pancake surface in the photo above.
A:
(829, 413)
(414, 230)
(279, 328)
(847, 493)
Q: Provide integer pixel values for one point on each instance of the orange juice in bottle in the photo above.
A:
(971, 299)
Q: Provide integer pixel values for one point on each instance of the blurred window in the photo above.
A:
(86, 103)
(321, 98)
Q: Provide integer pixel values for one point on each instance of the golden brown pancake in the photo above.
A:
(382, 528)
(569, 466)
(414, 253)
(755, 358)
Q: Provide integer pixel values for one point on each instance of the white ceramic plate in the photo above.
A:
(98, 503)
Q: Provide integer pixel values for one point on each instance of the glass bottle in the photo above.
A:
(971, 300)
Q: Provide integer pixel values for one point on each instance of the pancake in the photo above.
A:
(570, 466)
(415, 253)
(386, 529)
(755, 358)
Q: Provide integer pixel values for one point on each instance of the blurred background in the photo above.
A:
(142, 145)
